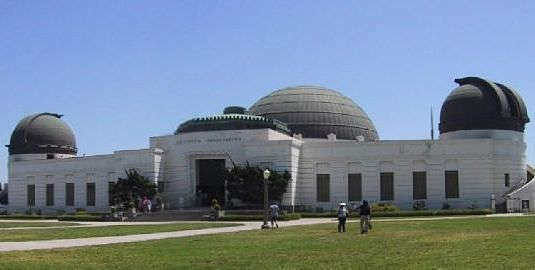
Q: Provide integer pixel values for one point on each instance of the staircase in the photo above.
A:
(197, 214)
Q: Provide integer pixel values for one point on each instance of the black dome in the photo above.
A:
(230, 121)
(316, 112)
(478, 104)
(42, 133)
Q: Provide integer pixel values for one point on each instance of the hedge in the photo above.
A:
(257, 217)
(419, 213)
(424, 213)
(31, 217)
(81, 218)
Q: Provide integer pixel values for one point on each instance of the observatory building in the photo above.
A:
(325, 140)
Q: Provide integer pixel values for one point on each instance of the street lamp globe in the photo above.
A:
(267, 173)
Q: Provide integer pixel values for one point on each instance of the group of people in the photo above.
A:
(343, 213)
(364, 211)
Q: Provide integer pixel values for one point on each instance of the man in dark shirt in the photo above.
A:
(365, 212)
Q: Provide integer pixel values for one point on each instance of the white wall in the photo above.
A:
(481, 164)
(99, 169)
(263, 147)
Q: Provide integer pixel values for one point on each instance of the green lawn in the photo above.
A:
(34, 224)
(490, 243)
(69, 233)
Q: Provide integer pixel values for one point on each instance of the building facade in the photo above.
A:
(324, 140)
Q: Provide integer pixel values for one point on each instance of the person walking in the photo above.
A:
(365, 213)
(145, 205)
(342, 217)
(274, 214)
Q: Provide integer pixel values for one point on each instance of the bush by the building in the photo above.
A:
(285, 217)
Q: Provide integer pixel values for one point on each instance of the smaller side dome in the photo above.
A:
(43, 133)
(478, 104)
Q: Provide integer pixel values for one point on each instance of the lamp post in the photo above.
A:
(267, 173)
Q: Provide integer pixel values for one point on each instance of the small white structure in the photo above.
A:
(335, 156)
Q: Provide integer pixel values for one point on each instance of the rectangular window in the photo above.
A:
(110, 194)
(49, 194)
(507, 180)
(69, 194)
(161, 187)
(419, 185)
(354, 186)
(452, 184)
(387, 186)
(525, 204)
(90, 194)
(31, 195)
(323, 187)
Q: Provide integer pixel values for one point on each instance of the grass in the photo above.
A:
(34, 224)
(117, 230)
(482, 243)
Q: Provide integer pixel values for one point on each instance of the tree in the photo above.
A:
(132, 188)
(247, 184)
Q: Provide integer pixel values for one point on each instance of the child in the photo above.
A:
(342, 217)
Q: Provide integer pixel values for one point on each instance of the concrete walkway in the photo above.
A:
(81, 242)
(82, 224)
(246, 226)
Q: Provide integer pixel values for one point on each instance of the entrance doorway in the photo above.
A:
(210, 183)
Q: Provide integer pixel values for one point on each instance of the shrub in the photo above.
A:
(419, 205)
(215, 205)
(319, 215)
(424, 213)
(446, 206)
(418, 213)
(247, 182)
(20, 216)
(245, 212)
(286, 217)
(384, 207)
(81, 218)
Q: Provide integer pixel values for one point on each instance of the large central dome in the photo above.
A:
(316, 112)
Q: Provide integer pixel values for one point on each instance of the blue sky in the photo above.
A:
(122, 71)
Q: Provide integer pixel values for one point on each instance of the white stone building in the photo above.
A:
(325, 140)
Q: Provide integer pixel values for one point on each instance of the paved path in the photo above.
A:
(67, 243)
(246, 226)
(82, 224)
